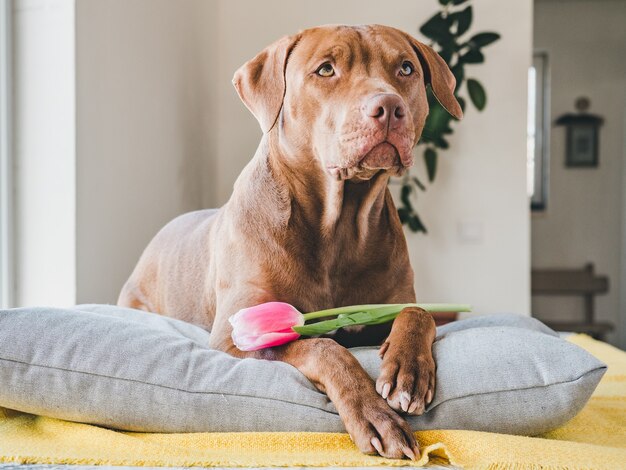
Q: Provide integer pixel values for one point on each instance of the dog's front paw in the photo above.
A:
(376, 429)
(407, 377)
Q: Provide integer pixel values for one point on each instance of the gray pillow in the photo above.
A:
(137, 371)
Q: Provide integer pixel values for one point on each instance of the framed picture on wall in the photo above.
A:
(582, 146)
(582, 135)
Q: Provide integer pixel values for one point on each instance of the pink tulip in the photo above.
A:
(265, 325)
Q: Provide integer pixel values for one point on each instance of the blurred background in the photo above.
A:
(118, 115)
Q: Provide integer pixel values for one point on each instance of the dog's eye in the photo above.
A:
(325, 70)
(406, 69)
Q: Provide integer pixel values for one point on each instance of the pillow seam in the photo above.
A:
(519, 389)
(191, 392)
(282, 400)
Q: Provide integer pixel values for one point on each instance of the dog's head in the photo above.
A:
(353, 97)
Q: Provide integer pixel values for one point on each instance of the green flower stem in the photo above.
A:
(333, 312)
(372, 314)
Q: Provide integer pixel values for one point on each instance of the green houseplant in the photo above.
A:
(448, 31)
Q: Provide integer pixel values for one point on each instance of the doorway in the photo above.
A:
(582, 221)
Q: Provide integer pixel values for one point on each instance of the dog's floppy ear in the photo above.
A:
(260, 82)
(438, 74)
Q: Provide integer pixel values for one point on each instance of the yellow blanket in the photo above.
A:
(595, 439)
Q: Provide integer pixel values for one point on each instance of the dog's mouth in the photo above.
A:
(383, 156)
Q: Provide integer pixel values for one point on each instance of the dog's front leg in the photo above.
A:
(372, 425)
(407, 374)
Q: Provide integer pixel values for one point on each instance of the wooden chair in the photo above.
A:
(578, 282)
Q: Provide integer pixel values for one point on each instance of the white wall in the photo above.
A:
(111, 107)
(481, 180)
(586, 43)
(160, 131)
(140, 130)
(44, 152)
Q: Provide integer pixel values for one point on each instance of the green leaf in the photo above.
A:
(437, 121)
(373, 316)
(404, 214)
(425, 137)
(405, 191)
(473, 56)
(404, 196)
(416, 225)
(419, 184)
(326, 326)
(430, 157)
(483, 39)
(458, 2)
(350, 309)
(444, 2)
(446, 54)
(383, 310)
(459, 74)
(441, 143)
(437, 28)
(463, 19)
(461, 101)
(477, 93)
(369, 314)
(448, 130)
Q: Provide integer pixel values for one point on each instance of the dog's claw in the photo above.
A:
(377, 445)
(405, 399)
(409, 453)
(386, 390)
(429, 397)
(412, 407)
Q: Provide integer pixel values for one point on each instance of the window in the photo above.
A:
(537, 149)
(6, 167)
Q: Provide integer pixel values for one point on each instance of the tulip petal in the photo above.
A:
(267, 317)
(268, 340)
(265, 325)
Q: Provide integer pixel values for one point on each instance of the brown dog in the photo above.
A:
(312, 223)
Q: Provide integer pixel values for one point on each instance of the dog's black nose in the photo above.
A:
(387, 108)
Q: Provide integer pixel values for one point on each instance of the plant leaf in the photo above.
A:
(459, 74)
(419, 184)
(458, 2)
(442, 143)
(404, 196)
(416, 225)
(437, 28)
(483, 39)
(321, 327)
(404, 214)
(437, 121)
(350, 309)
(464, 20)
(382, 309)
(446, 54)
(430, 157)
(461, 101)
(473, 56)
(477, 93)
(372, 316)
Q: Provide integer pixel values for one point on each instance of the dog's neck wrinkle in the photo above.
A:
(316, 202)
(320, 202)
